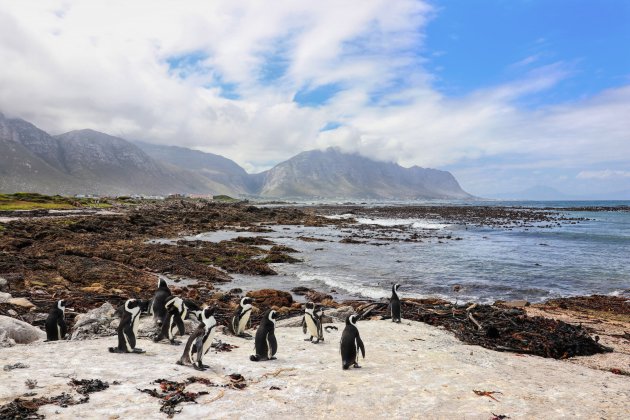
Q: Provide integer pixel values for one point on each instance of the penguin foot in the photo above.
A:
(356, 366)
(308, 339)
(205, 366)
(175, 342)
(315, 342)
(200, 368)
(254, 358)
(273, 358)
(179, 362)
(138, 351)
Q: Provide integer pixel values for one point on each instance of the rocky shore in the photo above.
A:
(95, 259)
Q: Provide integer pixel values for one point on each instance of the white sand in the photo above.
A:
(401, 377)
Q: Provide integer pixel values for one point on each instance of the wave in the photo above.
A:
(413, 223)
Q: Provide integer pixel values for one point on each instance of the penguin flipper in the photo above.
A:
(360, 345)
(273, 344)
(180, 324)
(199, 349)
(304, 324)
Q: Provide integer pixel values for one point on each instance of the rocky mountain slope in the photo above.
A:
(90, 162)
(333, 174)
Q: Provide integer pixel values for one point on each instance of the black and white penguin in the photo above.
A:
(351, 343)
(55, 323)
(241, 316)
(199, 341)
(128, 327)
(173, 322)
(311, 323)
(158, 308)
(266, 344)
(394, 304)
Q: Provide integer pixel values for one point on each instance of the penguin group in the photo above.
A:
(169, 313)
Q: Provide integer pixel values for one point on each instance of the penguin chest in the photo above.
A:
(311, 326)
(135, 325)
(243, 321)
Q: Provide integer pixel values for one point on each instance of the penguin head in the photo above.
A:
(207, 316)
(61, 304)
(144, 305)
(273, 315)
(352, 319)
(395, 287)
(246, 301)
(309, 307)
(131, 304)
(162, 283)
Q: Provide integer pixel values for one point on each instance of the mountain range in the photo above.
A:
(90, 162)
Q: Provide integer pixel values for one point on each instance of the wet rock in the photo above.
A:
(340, 314)
(270, 297)
(4, 297)
(22, 302)
(4, 284)
(317, 297)
(511, 303)
(19, 331)
(301, 290)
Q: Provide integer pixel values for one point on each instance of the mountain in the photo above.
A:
(90, 162)
(334, 174)
(224, 175)
(83, 162)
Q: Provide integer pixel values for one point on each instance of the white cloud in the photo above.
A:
(105, 65)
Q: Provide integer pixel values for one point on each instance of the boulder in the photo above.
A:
(96, 322)
(340, 314)
(19, 332)
(511, 303)
(4, 297)
(4, 284)
(22, 302)
(300, 290)
(270, 297)
(317, 297)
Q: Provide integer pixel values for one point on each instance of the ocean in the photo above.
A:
(590, 256)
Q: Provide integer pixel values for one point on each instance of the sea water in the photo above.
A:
(487, 264)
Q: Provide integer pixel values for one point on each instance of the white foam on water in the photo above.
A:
(340, 216)
(413, 223)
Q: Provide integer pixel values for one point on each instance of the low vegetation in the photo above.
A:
(35, 201)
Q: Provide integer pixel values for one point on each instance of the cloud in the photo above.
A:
(245, 79)
(605, 174)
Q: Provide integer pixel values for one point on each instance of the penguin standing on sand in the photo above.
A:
(394, 304)
(173, 322)
(55, 323)
(311, 322)
(241, 316)
(128, 327)
(158, 308)
(266, 344)
(351, 343)
(199, 341)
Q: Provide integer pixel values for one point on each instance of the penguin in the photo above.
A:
(311, 322)
(173, 321)
(266, 344)
(241, 316)
(55, 323)
(158, 310)
(351, 343)
(128, 327)
(394, 304)
(200, 340)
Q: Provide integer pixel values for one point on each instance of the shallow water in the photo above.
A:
(535, 264)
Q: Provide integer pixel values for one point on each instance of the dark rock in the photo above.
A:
(269, 297)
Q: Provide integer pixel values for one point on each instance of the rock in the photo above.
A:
(96, 322)
(19, 332)
(23, 302)
(12, 312)
(300, 290)
(4, 284)
(292, 322)
(236, 291)
(511, 303)
(315, 296)
(4, 297)
(340, 314)
(271, 297)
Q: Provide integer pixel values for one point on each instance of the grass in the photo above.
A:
(35, 201)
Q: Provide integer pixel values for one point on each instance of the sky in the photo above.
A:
(508, 95)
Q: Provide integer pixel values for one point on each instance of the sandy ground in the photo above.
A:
(412, 370)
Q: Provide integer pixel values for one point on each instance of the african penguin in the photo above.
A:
(241, 316)
(128, 326)
(311, 322)
(351, 343)
(173, 322)
(394, 304)
(199, 341)
(55, 323)
(158, 310)
(266, 345)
